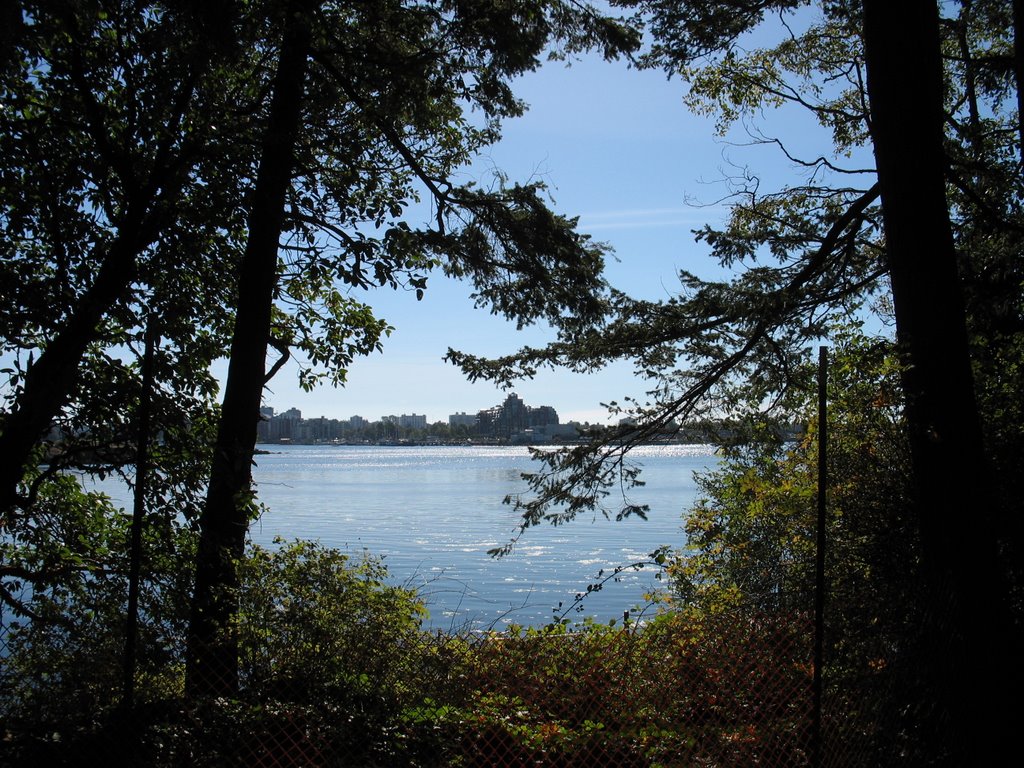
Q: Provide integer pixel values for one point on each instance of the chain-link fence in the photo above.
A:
(717, 692)
(727, 690)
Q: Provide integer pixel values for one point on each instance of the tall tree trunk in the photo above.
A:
(976, 655)
(212, 656)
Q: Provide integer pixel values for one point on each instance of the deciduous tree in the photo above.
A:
(369, 109)
(112, 171)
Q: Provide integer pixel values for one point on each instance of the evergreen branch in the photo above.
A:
(577, 478)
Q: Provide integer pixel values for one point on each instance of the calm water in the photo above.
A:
(433, 512)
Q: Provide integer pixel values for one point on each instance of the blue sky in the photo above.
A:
(617, 148)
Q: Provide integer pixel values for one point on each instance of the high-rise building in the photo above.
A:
(462, 419)
(514, 416)
(413, 421)
(543, 416)
(263, 429)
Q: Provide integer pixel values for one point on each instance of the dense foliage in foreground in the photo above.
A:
(336, 669)
(337, 672)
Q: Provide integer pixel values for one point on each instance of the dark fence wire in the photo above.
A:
(728, 690)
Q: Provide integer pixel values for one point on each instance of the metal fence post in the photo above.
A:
(819, 564)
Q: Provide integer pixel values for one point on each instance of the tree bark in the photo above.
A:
(212, 654)
(970, 616)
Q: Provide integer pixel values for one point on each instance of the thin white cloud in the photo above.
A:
(645, 218)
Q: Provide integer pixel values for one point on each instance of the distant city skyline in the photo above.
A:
(460, 415)
(511, 420)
